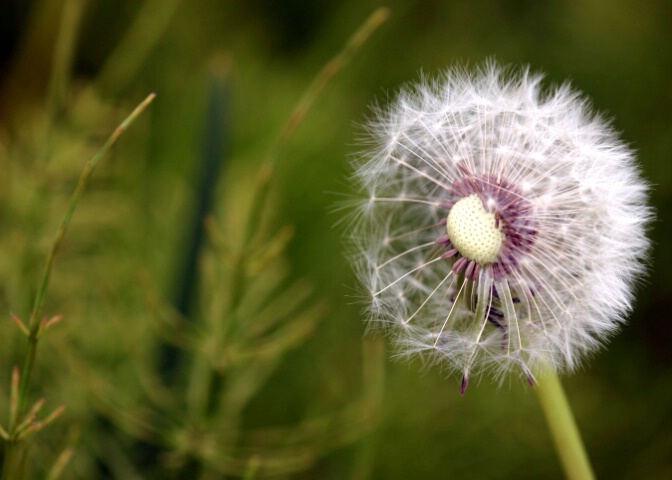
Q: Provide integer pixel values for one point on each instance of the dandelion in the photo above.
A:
(504, 225)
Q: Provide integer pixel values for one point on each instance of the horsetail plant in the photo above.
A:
(23, 422)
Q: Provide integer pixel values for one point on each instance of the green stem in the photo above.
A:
(266, 172)
(35, 322)
(64, 49)
(326, 75)
(563, 427)
(206, 382)
(301, 109)
(144, 33)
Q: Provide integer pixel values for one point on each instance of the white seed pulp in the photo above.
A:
(473, 232)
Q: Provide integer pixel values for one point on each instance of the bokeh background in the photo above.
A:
(241, 66)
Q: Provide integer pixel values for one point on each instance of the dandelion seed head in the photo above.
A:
(504, 225)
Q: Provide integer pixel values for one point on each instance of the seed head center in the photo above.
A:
(473, 231)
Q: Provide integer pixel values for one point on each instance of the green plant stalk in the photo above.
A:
(563, 427)
(206, 386)
(35, 317)
(61, 65)
(144, 33)
(35, 322)
(303, 106)
(64, 48)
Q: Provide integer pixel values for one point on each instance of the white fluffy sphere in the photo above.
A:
(567, 202)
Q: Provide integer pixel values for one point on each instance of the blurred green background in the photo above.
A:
(132, 230)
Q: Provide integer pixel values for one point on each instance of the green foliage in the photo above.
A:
(273, 376)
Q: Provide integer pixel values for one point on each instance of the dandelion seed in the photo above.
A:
(504, 226)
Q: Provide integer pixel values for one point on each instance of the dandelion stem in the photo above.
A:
(563, 427)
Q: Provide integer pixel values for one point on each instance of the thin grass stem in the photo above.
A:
(303, 106)
(210, 387)
(142, 36)
(64, 49)
(35, 323)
